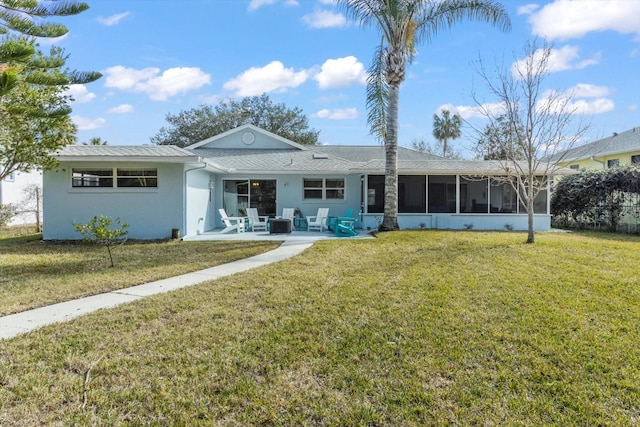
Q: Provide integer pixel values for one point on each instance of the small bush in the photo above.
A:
(7, 212)
(99, 231)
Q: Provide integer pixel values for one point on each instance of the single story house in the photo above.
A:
(160, 190)
(616, 150)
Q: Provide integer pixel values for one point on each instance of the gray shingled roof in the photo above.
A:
(618, 143)
(445, 166)
(276, 161)
(124, 152)
(317, 159)
(359, 153)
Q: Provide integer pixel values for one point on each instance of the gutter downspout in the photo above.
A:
(184, 195)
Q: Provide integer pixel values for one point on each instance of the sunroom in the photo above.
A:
(455, 201)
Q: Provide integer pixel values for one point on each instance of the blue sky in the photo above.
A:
(164, 56)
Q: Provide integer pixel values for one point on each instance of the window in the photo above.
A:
(137, 178)
(442, 193)
(540, 202)
(112, 177)
(92, 177)
(474, 198)
(375, 193)
(574, 167)
(503, 197)
(613, 163)
(242, 194)
(323, 188)
(635, 159)
(412, 194)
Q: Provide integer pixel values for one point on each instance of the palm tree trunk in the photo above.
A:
(390, 220)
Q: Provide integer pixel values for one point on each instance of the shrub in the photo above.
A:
(99, 231)
(7, 212)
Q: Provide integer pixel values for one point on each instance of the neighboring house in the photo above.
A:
(12, 191)
(616, 150)
(158, 189)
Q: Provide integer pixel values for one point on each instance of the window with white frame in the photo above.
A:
(147, 177)
(635, 160)
(323, 188)
(613, 163)
(114, 177)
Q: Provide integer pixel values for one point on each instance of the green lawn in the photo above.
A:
(34, 273)
(411, 328)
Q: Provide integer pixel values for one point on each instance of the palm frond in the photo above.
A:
(444, 14)
(377, 94)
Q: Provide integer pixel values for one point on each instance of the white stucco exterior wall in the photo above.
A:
(199, 203)
(151, 213)
(12, 192)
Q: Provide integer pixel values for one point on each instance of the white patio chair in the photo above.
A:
(256, 221)
(318, 221)
(232, 223)
(289, 213)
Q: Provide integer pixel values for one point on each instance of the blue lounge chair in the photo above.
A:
(343, 226)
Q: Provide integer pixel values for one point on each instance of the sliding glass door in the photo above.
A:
(250, 193)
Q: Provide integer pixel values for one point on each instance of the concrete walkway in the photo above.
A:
(20, 323)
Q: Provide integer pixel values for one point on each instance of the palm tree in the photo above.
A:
(445, 128)
(95, 141)
(404, 24)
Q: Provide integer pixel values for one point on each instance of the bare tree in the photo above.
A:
(544, 123)
(31, 204)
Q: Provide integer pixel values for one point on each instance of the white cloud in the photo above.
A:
(565, 58)
(84, 123)
(585, 90)
(324, 19)
(125, 78)
(473, 111)
(574, 19)
(341, 72)
(527, 9)
(273, 77)
(158, 87)
(572, 100)
(257, 4)
(174, 81)
(591, 107)
(121, 109)
(113, 19)
(339, 114)
(80, 94)
(633, 107)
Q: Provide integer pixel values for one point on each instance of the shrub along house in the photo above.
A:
(158, 190)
